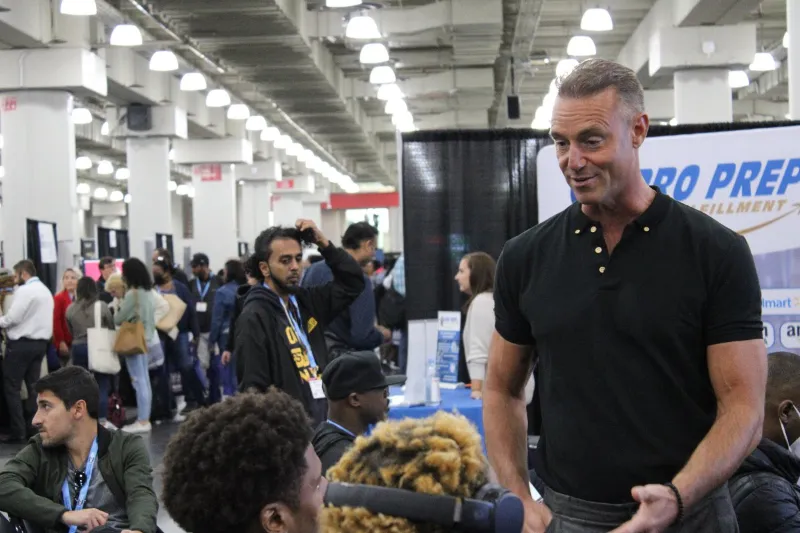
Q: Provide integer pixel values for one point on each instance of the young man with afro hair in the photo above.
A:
(245, 465)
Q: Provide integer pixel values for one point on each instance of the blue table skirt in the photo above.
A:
(457, 400)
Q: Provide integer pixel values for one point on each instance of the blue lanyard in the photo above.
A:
(204, 291)
(84, 489)
(301, 334)
(334, 424)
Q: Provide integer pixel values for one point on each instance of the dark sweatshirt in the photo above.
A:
(268, 352)
(330, 443)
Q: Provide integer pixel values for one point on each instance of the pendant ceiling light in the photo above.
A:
(394, 106)
(565, 66)
(786, 40)
(127, 198)
(382, 74)
(182, 190)
(100, 193)
(738, 79)
(362, 27)
(193, 81)
(122, 173)
(270, 134)
(401, 118)
(255, 123)
(83, 188)
(125, 35)
(373, 53)
(390, 91)
(83, 163)
(79, 8)
(105, 129)
(105, 168)
(294, 149)
(581, 46)
(763, 62)
(597, 19)
(116, 196)
(283, 142)
(238, 112)
(218, 98)
(81, 115)
(334, 4)
(164, 61)
(173, 185)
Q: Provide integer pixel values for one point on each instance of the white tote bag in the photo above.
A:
(100, 342)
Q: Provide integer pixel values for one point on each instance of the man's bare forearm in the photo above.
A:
(733, 436)
(506, 423)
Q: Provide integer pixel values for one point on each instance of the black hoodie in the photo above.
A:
(764, 490)
(267, 350)
(330, 443)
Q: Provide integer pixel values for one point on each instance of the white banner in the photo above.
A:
(748, 180)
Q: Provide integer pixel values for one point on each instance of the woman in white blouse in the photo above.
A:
(475, 277)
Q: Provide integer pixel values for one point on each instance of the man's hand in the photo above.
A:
(303, 224)
(63, 349)
(537, 516)
(86, 519)
(226, 357)
(658, 510)
(387, 333)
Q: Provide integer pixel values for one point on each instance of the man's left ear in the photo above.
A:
(275, 518)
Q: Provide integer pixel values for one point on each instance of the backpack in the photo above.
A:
(116, 411)
(392, 310)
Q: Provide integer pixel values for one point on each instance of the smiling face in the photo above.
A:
(597, 140)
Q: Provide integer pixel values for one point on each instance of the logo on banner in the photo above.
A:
(212, 172)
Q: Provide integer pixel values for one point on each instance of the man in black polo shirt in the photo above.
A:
(645, 318)
(204, 289)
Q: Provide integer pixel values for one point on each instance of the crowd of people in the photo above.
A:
(639, 317)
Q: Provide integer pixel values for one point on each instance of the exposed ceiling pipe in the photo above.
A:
(299, 132)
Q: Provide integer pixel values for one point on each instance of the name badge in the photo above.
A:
(201, 307)
(316, 389)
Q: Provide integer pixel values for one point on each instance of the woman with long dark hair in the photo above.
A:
(80, 318)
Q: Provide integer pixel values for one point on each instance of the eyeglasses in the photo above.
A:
(78, 481)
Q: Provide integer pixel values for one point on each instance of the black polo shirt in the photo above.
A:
(621, 339)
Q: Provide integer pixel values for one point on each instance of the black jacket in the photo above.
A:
(330, 443)
(204, 319)
(764, 490)
(267, 351)
(241, 296)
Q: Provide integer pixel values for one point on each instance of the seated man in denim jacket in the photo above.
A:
(75, 474)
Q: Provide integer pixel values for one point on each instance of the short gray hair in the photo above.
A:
(594, 76)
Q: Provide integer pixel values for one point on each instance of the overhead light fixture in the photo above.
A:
(382, 74)
(105, 129)
(190, 192)
(283, 142)
(105, 168)
(549, 101)
(342, 3)
(301, 156)
(83, 163)
(565, 66)
(544, 113)
(83, 188)
(193, 81)
(172, 185)
(294, 149)
(256, 123)
(116, 196)
(738, 79)
(218, 98)
(553, 87)
(182, 190)
(362, 27)
(597, 19)
(122, 173)
(373, 53)
(270, 134)
(402, 118)
(390, 91)
(125, 35)
(164, 61)
(100, 193)
(395, 105)
(127, 198)
(78, 8)
(81, 115)
(673, 121)
(581, 46)
(238, 112)
(763, 62)
(786, 40)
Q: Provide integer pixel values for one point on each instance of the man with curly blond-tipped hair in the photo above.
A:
(438, 455)
(245, 465)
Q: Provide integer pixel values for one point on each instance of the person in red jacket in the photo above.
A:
(61, 336)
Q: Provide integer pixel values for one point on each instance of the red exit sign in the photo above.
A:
(284, 185)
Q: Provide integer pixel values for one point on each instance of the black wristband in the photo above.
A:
(675, 490)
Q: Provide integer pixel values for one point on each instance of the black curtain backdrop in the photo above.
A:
(463, 191)
(164, 240)
(120, 251)
(47, 272)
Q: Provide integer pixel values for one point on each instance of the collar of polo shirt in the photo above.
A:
(579, 223)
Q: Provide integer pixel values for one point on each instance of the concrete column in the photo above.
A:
(40, 180)
(793, 25)
(150, 210)
(214, 213)
(703, 96)
(395, 243)
(253, 210)
(287, 208)
(312, 211)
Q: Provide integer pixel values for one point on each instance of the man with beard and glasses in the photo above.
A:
(75, 474)
(279, 336)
